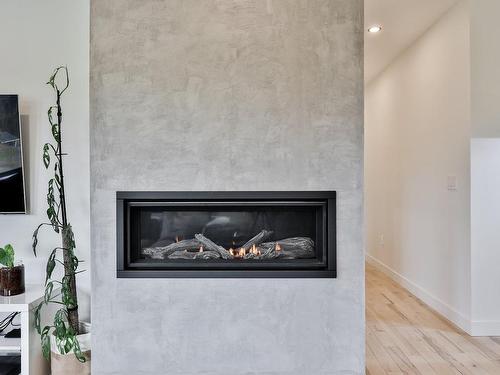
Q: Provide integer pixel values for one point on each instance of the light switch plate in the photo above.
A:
(381, 240)
(452, 183)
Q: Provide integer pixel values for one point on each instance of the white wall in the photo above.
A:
(485, 167)
(35, 37)
(417, 134)
(485, 236)
(485, 65)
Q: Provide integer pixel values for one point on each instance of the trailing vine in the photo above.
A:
(65, 325)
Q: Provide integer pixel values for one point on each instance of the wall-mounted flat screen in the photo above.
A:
(12, 195)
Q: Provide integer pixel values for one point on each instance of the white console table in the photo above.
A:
(32, 361)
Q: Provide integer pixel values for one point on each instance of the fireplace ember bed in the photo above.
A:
(226, 234)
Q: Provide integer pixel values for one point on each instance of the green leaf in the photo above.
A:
(49, 115)
(69, 343)
(58, 179)
(61, 314)
(51, 264)
(60, 326)
(52, 79)
(51, 187)
(7, 256)
(70, 237)
(46, 155)
(78, 353)
(55, 132)
(3, 257)
(35, 239)
(51, 213)
(10, 255)
(66, 296)
(50, 193)
(37, 323)
(45, 339)
(74, 262)
(48, 291)
(51, 201)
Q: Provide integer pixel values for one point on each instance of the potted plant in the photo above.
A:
(70, 340)
(11, 274)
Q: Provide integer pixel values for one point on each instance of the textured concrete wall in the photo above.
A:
(227, 95)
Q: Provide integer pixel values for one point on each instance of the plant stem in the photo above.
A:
(62, 195)
(67, 234)
(67, 237)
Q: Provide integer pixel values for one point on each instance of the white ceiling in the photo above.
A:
(402, 21)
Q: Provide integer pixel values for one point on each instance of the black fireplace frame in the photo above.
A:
(124, 200)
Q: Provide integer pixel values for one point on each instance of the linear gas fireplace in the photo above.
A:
(226, 234)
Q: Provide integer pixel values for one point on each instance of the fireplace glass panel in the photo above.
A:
(222, 234)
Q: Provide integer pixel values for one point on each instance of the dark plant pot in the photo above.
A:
(12, 280)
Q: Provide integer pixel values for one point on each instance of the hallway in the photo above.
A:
(403, 336)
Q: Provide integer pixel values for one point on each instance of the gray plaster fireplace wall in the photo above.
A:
(227, 95)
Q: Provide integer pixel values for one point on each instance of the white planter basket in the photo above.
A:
(67, 364)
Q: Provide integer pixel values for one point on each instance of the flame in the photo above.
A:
(201, 249)
(240, 253)
(254, 250)
(277, 247)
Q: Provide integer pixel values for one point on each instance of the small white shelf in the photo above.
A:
(22, 302)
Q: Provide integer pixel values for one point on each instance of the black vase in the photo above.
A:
(12, 280)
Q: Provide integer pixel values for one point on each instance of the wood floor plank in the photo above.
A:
(404, 336)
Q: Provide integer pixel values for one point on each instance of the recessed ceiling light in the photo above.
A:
(375, 29)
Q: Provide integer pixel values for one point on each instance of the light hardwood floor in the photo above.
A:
(404, 336)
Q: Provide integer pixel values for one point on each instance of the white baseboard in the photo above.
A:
(485, 328)
(433, 302)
